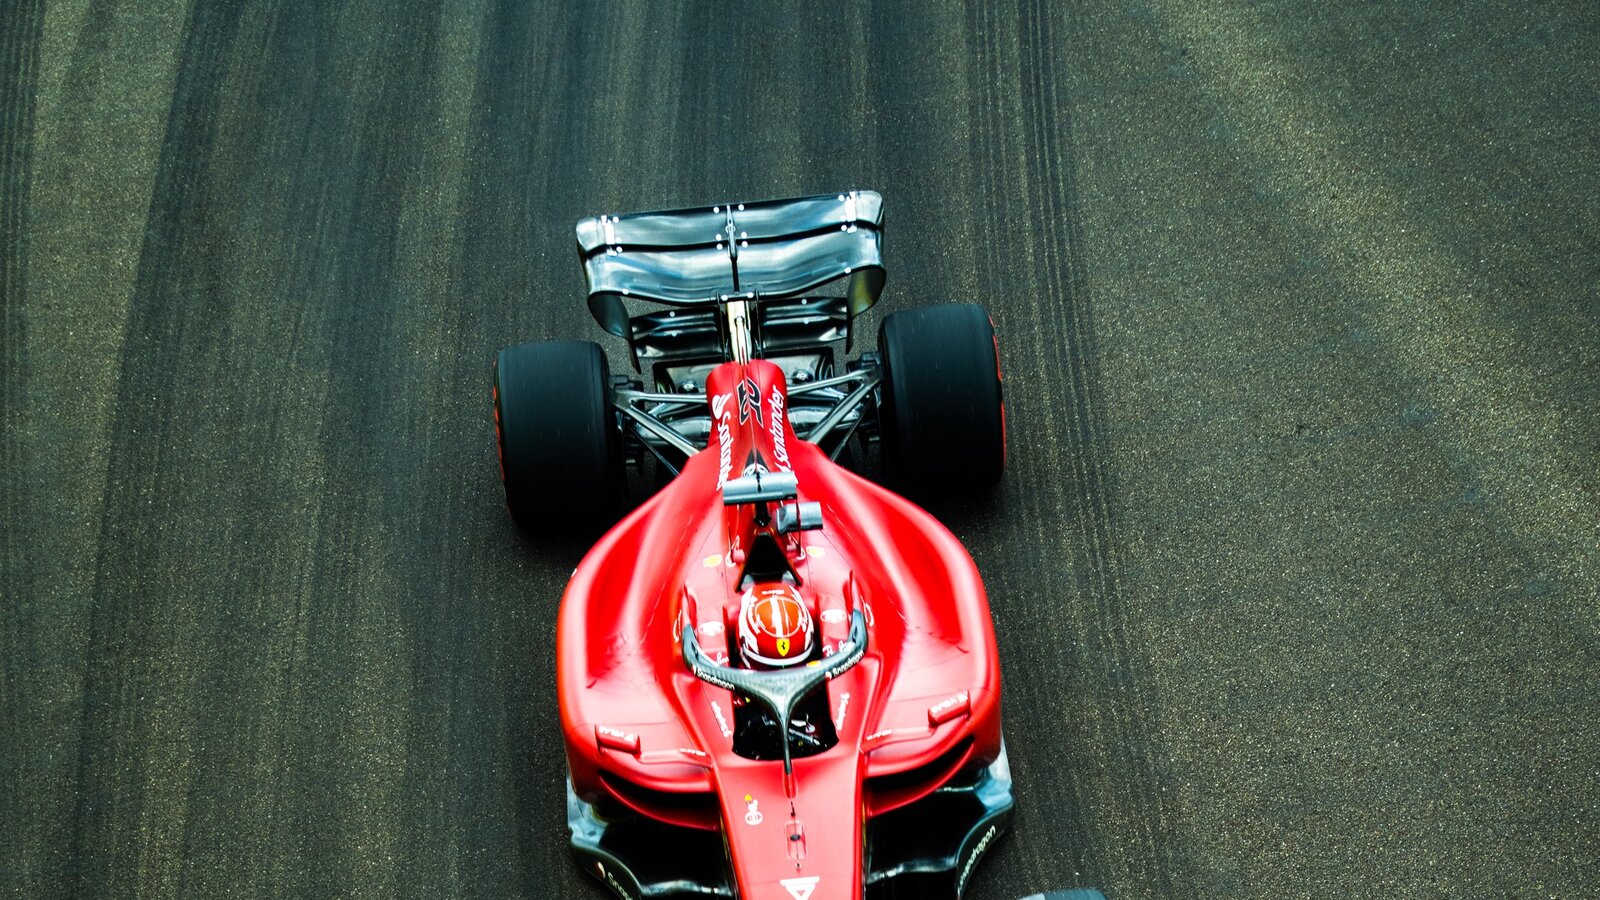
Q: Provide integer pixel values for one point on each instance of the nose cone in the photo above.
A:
(805, 847)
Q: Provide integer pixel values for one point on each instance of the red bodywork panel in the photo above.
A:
(643, 731)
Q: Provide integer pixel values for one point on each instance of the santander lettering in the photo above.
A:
(966, 870)
(719, 411)
(780, 449)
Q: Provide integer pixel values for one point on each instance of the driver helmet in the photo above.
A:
(775, 628)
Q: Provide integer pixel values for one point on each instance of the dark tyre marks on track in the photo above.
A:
(19, 66)
(1024, 159)
(254, 496)
(1046, 321)
(20, 694)
(124, 671)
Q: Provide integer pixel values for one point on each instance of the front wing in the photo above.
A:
(926, 849)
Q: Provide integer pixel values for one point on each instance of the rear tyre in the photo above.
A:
(560, 449)
(941, 414)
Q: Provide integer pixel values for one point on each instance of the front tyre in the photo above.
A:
(560, 450)
(941, 413)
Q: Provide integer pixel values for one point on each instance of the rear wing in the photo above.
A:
(697, 257)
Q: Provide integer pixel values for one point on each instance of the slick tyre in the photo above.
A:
(560, 449)
(941, 413)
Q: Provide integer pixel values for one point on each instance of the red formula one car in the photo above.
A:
(777, 678)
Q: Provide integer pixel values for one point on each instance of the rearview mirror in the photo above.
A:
(799, 517)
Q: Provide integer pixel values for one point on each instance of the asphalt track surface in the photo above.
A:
(1294, 568)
